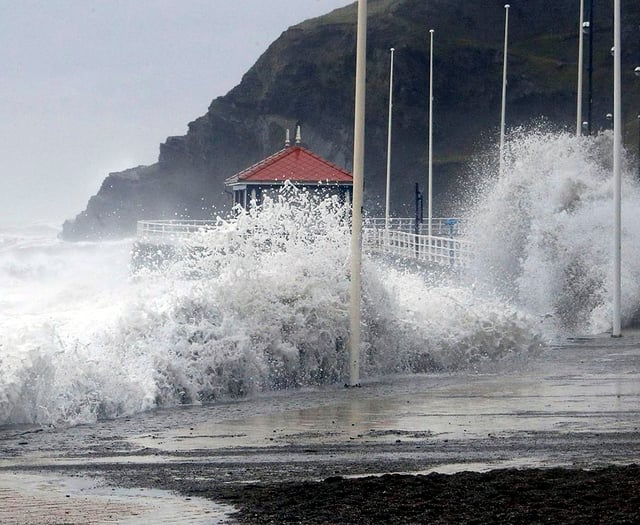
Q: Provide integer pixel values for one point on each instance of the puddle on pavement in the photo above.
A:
(455, 468)
(31, 498)
(480, 408)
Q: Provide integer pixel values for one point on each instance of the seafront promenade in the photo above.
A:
(576, 405)
(403, 238)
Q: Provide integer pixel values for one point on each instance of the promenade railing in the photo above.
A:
(447, 251)
(444, 247)
(171, 231)
(440, 226)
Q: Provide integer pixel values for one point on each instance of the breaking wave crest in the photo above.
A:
(544, 232)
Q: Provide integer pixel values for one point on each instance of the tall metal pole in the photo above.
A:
(580, 67)
(636, 71)
(358, 180)
(504, 87)
(419, 210)
(590, 70)
(430, 192)
(387, 199)
(617, 185)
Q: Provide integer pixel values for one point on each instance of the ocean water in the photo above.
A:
(261, 304)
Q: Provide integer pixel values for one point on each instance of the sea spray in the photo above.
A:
(58, 299)
(266, 301)
(256, 304)
(543, 232)
(268, 309)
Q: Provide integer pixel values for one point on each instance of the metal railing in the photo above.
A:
(435, 249)
(440, 226)
(400, 240)
(171, 231)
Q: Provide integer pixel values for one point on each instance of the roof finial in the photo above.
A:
(298, 134)
(287, 140)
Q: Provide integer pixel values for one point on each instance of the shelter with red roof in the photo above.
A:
(294, 164)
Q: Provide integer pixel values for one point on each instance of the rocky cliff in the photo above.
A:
(307, 76)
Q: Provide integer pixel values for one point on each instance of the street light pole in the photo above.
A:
(617, 186)
(388, 193)
(590, 69)
(355, 296)
(504, 88)
(580, 66)
(638, 146)
(636, 71)
(430, 195)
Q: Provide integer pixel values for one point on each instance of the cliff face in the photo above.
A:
(307, 76)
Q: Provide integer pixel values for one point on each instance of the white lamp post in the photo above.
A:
(580, 66)
(637, 73)
(430, 188)
(617, 149)
(504, 87)
(590, 27)
(638, 117)
(358, 179)
(388, 193)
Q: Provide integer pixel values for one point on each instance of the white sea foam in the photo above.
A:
(261, 302)
(544, 232)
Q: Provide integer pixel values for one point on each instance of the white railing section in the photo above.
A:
(171, 231)
(439, 250)
(400, 240)
(440, 226)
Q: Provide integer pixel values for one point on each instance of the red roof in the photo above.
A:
(295, 164)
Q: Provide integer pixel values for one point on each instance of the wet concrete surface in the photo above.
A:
(577, 405)
(29, 498)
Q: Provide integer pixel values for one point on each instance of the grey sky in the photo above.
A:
(93, 86)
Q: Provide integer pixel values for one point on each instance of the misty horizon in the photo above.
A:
(91, 88)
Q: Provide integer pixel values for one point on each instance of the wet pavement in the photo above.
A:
(29, 498)
(577, 405)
